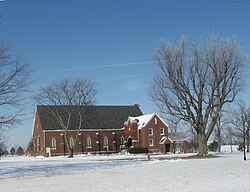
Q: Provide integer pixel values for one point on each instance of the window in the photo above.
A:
(38, 143)
(151, 142)
(155, 120)
(122, 140)
(53, 143)
(150, 131)
(163, 139)
(105, 141)
(161, 131)
(88, 142)
(71, 142)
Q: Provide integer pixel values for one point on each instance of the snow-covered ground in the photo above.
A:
(125, 173)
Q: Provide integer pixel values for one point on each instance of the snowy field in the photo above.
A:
(126, 173)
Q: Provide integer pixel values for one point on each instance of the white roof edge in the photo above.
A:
(34, 121)
(161, 120)
(151, 116)
(170, 139)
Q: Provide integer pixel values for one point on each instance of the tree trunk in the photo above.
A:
(219, 141)
(247, 139)
(202, 144)
(231, 143)
(71, 152)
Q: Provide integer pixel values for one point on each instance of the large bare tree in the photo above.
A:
(14, 80)
(194, 84)
(71, 94)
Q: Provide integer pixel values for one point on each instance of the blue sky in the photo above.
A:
(111, 42)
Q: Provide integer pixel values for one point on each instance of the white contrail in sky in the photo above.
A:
(100, 66)
(108, 66)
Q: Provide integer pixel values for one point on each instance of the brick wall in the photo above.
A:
(142, 135)
(139, 137)
(97, 141)
(38, 137)
(155, 124)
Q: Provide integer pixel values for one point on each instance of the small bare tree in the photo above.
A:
(173, 123)
(195, 85)
(71, 95)
(240, 120)
(230, 137)
(14, 80)
(220, 127)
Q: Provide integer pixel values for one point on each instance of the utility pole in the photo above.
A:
(244, 141)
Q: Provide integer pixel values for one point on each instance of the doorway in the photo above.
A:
(129, 142)
(167, 147)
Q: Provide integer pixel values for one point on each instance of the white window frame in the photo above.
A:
(162, 132)
(105, 142)
(122, 140)
(151, 142)
(53, 143)
(88, 145)
(156, 121)
(38, 143)
(150, 131)
(71, 142)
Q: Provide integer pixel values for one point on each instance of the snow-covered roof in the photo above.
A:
(177, 136)
(143, 120)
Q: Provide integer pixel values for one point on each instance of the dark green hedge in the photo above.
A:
(138, 150)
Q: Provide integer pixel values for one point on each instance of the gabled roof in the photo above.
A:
(143, 120)
(177, 136)
(95, 117)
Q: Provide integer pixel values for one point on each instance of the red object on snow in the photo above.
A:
(148, 156)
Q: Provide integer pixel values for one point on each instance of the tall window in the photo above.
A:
(38, 143)
(155, 120)
(71, 142)
(151, 142)
(105, 141)
(150, 131)
(122, 140)
(53, 143)
(161, 131)
(88, 142)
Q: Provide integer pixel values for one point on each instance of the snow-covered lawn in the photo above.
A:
(125, 173)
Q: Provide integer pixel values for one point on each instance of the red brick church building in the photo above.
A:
(105, 129)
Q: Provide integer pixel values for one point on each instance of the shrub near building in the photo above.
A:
(138, 150)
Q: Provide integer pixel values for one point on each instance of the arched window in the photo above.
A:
(105, 141)
(38, 143)
(88, 142)
(71, 142)
(122, 140)
(53, 143)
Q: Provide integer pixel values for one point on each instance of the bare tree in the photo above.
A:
(240, 120)
(173, 123)
(2, 144)
(193, 142)
(220, 127)
(30, 148)
(14, 80)
(230, 137)
(195, 85)
(67, 93)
